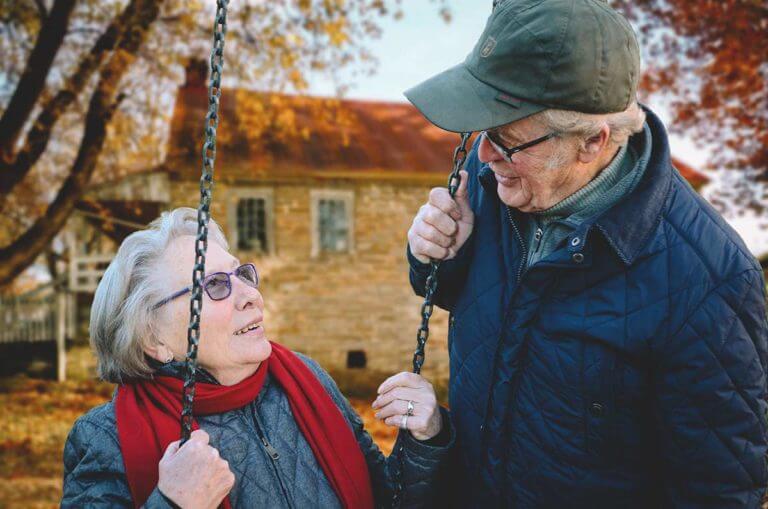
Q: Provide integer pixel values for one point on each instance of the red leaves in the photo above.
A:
(710, 58)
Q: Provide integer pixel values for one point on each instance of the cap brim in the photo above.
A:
(456, 101)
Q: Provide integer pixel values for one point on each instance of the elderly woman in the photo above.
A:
(271, 427)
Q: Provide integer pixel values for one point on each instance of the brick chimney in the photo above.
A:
(196, 73)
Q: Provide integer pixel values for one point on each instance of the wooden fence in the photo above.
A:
(37, 316)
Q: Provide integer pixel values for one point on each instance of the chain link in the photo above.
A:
(454, 180)
(203, 215)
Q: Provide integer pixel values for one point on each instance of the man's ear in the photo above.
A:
(593, 146)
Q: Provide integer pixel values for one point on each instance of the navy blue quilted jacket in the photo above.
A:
(627, 369)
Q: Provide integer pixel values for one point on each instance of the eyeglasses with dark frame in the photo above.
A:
(218, 285)
(508, 152)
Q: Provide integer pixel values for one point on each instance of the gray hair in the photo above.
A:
(122, 317)
(583, 126)
(622, 124)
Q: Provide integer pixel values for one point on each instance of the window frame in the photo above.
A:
(346, 196)
(244, 193)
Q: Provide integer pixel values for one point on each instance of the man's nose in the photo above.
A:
(486, 153)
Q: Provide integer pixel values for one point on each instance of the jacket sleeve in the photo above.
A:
(452, 273)
(94, 475)
(422, 461)
(711, 400)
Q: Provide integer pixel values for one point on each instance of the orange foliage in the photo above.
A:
(709, 58)
(38, 414)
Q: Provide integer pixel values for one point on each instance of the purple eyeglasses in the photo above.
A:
(218, 285)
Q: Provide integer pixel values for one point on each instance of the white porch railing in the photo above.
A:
(87, 270)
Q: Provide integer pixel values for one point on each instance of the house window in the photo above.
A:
(333, 227)
(250, 220)
(252, 224)
(332, 221)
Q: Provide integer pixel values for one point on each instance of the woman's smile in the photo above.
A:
(256, 332)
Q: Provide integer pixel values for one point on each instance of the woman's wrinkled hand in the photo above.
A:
(391, 405)
(194, 475)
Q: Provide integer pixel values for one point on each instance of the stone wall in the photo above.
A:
(333, 303)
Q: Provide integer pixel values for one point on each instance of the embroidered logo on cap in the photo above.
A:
(488, 46)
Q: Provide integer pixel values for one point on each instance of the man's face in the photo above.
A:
(537, 177)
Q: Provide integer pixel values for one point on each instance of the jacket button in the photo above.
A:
(577, 257)
(576, 241)
(596, 409)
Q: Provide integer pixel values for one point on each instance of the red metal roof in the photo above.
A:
(694, 177)
(352, 137)
(361, 136)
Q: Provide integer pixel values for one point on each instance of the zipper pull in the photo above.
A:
(270, 450)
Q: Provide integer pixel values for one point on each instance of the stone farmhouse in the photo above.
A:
(323, 216)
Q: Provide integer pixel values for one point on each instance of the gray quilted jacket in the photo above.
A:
(280, 471)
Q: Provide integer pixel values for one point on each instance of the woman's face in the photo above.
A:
(227, 352)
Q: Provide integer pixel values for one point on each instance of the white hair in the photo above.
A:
(622, 124)
(122, 313)
(583, 126)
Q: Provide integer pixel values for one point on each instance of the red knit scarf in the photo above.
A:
(148, 414)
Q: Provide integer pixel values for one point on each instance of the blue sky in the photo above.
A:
(421, 45)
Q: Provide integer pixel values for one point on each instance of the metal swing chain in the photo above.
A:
(459, 156)
(201, 243)
(203, 215)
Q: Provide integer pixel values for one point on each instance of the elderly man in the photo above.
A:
(607, 328)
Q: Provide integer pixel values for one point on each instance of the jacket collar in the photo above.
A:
(629, 223)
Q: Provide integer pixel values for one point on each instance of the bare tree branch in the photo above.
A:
(33, 77)
(41, 11)
(104, 101)
(40, 133)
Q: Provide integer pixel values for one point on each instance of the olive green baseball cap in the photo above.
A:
(577, 55)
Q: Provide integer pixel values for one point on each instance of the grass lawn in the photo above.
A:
(38, 414)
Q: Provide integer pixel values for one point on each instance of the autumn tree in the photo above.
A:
(87, 88)
(708, 60)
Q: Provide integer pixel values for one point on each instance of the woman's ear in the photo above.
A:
(159, 351)
(593, 146)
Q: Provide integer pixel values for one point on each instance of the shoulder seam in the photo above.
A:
(684, 186)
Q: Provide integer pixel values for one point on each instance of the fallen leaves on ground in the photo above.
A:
(37, 416)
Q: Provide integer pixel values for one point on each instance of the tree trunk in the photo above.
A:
(32, 80)
(22, 252)
(14, 170)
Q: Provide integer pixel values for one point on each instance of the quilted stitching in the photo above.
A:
(95, 476)
(670, 344)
